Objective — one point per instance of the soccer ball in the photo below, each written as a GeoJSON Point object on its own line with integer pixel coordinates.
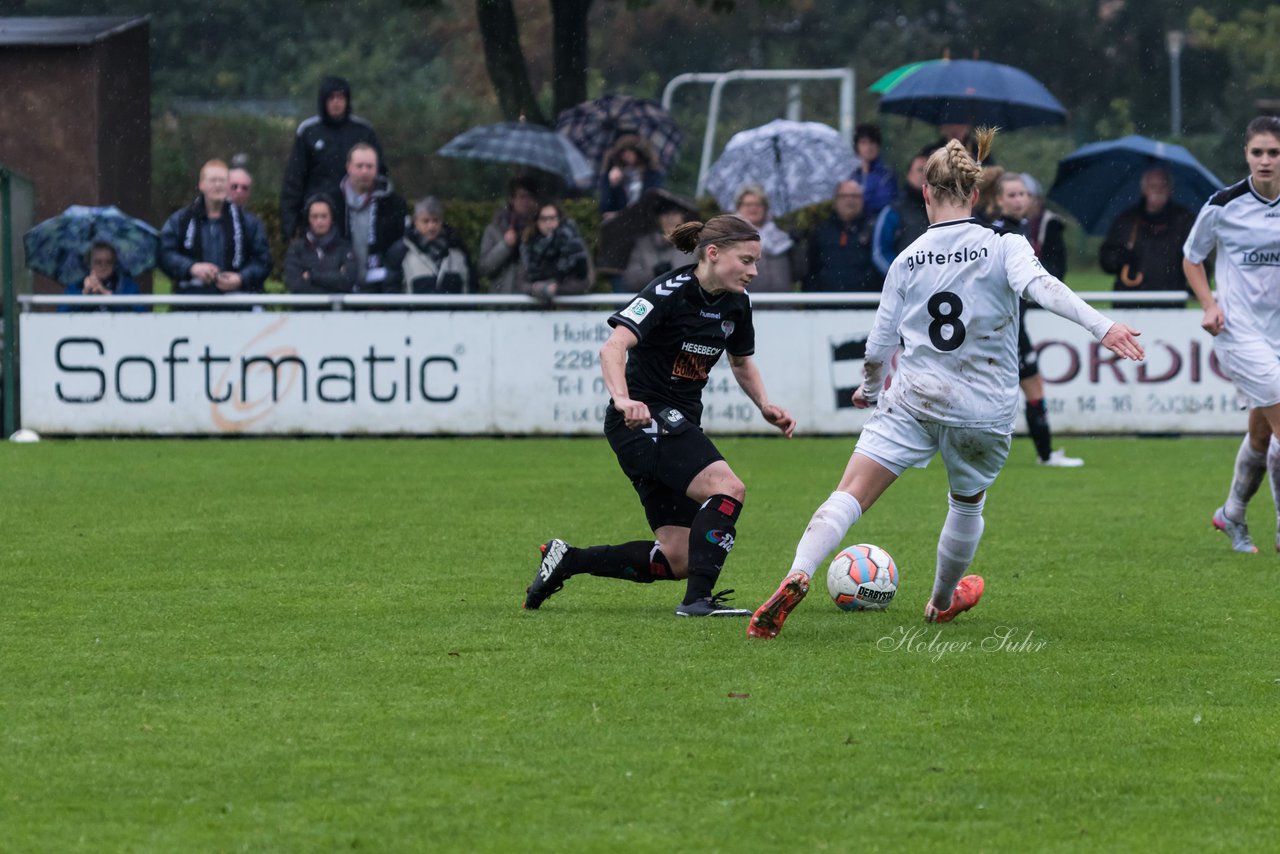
{"type": "Point", "coordinates": [862, 578]}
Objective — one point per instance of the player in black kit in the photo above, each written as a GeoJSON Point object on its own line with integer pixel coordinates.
{"type": "Point", "coordinates": [655, 365]}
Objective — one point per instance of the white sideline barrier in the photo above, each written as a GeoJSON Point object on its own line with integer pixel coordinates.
{"type": "Point", "coordinates": [518, 372]}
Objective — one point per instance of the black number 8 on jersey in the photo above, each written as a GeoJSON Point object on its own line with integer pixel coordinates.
{"type": "Point", "coordinates": [945, 308]}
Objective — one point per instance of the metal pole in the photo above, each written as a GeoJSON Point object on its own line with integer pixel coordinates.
{"type": "Point", "coordinates": [793, 102]}
{"type": "Point", "coordinates": [1174, 40]}
{"type": "Point", "coordinates": [10, 307]}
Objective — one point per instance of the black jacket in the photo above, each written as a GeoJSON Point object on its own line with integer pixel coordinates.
{"type": "Point", "coordinates": [1144, 251]}
{"type": "Point", "coordinates": [318, 160]}
{"type": "Point", "coordinates": [389, 219]}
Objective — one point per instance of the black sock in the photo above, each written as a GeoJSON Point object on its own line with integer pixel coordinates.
{"type": "Point", "coordinates": [641, 561]}
{"type": "Point", "coordinates": [710, 539]}
{"type": "Point", "coordinates": [1038, 425]}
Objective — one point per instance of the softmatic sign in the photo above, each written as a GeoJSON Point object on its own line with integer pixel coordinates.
{"type": "Point", "coordinates": [472, 372]}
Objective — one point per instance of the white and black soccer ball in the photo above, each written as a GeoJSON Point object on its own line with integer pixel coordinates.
{"type": "Point", "coordinates": [862, 578]}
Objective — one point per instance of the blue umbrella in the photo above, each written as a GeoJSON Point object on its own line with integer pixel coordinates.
{"type": "Point", "coordinates": [57, 246]}
{"type": "Point", "coordinates": [973, 92]}
{"type": "Point", "coordinates": [526, 144]}
{"type": "Point", "coordinates": [796, 163]}
{"type": "Point", "coordinates": [1097, 182]}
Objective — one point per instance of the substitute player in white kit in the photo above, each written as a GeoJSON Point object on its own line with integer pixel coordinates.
{"type": "Point", "coordinates": [1242, 223]}
{"type": "Point", "coordinates": [952, 298]}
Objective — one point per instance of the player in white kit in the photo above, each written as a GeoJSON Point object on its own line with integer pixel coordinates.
{"type": "Point", "coordinates": [1242, 224]}
{"type": "Point", "coordinates": [952, 298]}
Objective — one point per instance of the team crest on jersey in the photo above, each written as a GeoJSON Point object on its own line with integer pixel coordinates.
{"type": "Point", "coordinates": [727, 328]}
{"type": "Point", "coordinates": [638, 310]}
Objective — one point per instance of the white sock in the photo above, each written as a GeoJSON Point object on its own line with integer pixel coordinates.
{"type": "Point", "coordinates": [1250, 466]}
{"type": "Point", "coordinates": [827, 528]}
{"type": "Point", "coordinates": [957, 545]}
{"type": "Point", "coordinates": [1273, 469]}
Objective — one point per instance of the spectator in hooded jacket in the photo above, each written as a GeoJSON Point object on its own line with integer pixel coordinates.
{"type": "Point", "coordinates": [320, 146]}
{"type": "Point", "coordinates": [212, 246]}
{"type": "Point", "coordinates": [369, 215]}
{"type": "Point", "coordinates": [320, 262]}
{"type": "Point", "coordinates": [429, 259]}
{"type": "Point", "coordinates": [629, 168]}
{"type": "Point", "coordinates": [500, 243]}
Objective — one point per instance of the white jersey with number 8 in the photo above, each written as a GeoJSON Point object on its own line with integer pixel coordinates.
{"type": "Point", "coordinates": [952, 296]}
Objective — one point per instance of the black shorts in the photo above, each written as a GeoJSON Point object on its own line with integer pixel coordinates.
{"type": "Point", "coordinates": [1028, 360]}
{"type": "Point", "coordinates": [661, 464]}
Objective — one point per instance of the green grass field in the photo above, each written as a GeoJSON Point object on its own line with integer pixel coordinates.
{"type": "Point", "coordinates": [317, 645]}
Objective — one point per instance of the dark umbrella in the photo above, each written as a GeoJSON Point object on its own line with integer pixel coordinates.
{"type": "Point", "coordinates": [1097, 182]}
{"type": "Point", "coordinates": [796, 163]}
{"type": "Point", "coordinates": [618, 234]}
{"type": "Point", "coordinates": [523, 143]}
{"type": "Point", "coordinates": [57, 246]}
{"type": "Point", "coordinates": [594, 126]}
{"type": "Point", "coordinates": [894, 77]}
{"type": "Point", "coordinates": [973, 92]}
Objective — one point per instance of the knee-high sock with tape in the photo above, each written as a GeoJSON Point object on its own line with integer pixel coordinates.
{"type": "Point", "coordinates": [710, 540]}
{"type": "Point", "coordinates": [957, 544]}
{"type": "Point", "coordinates": [1250, 466]}
{"type": "Point", "coordinates": [641, 561]}
{"type": "Point", "coordinates": [827, 527]}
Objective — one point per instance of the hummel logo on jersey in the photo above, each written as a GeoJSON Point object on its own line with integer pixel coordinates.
{"type": "Point", "coordinates": [670, 285]}
{"type": "Point", "coordinates": [700, 349]}
{"type": "Point", "coordinates": [710, 315]}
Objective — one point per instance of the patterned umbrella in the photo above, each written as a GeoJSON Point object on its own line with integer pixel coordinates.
{"type": "Point", "coordinates": [57, 246]}
{"type": "Point", "coordinates": [974, 92]}
{"type": "Point", "coordinates": [520, 142]}
{"type": "Point", "coordinates": [594, 126]}
{"type": "Point", "coordinates": [797, 163]}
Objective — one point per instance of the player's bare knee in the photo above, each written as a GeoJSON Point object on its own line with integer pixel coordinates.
{"type": "Point", "coordinates": [734, 488]}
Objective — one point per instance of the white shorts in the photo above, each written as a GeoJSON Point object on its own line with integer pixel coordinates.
{"type": "Point", "coordinates": [973, 456]}
{"type": "Point", "coordinates": [1253, 366]}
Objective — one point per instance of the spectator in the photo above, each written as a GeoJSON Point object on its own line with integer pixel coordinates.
{"type": "Point", "coordinates": [1143, 249]}
{"type": "Point", "coordinates": [320, 147]}
{"type": "Point", "coordinates": [879, 186]}
{"type": "Point", "coordinates": [554, 256]}
{"type": "Point", "coordinates": [500, 243]}
{"type": "Point", "coordinates": [781, 262]}
{"type": "Point", "coordinates": [369, 215]}
{"type": "Point", "coordinates": [653, 255]}
{"type": "Point", "coordinates": [430, 258]}
{"type": "Point", "coordinates": [240, 187]}
{"type": "Point", "coordinates": [902, 222]}
{"type": "Point", "coordinates": [106, 278]}
{"type": "Point", "coordinates": [629, 168]}
{"type": "Point", "coordinates": [1013, 204]}
{"type": "Point", "coordinates": [840, 248]}
{"type": "Point", "coordinates": [321, 261]}
{"type": "Point", "coordinates": [212, 246]}
{"type": "Point", "coordinates": [1045, 230]}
